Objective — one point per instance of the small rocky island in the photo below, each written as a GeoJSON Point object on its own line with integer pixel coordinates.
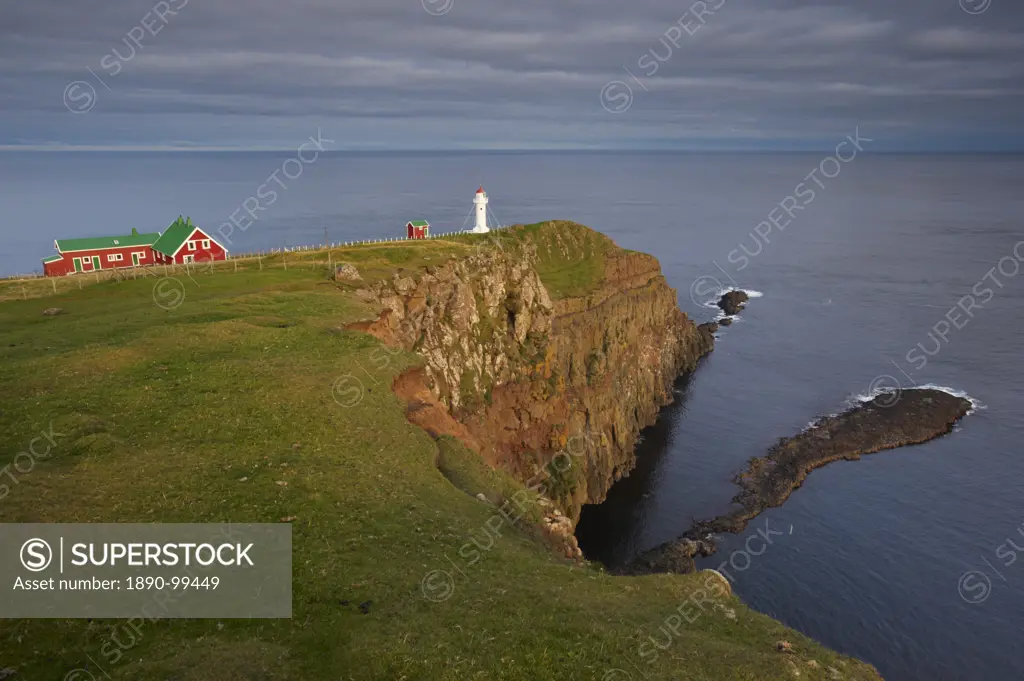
{"type": "Point", "coordinates": [890, 420]}
{"type": "Point", "coordinates": [732, 302]}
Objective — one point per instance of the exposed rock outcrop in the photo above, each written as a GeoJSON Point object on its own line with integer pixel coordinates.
{"type": "Point", "coordinates": [732, 302]}
{"type": "Point", "coordinates": [526, 375]}
{"type": "Point", "coordinates": [347, 272]}
{"type": "Point", "coordinates": [677, 556]}
{"type": "Point", "coordinates": [888, 421]}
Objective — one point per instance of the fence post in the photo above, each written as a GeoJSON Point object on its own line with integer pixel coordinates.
{"type": "Point", "coordinates": [54, 282]}
{"type": "Point", "coordinates": [260, 258]}
{"type": "Point", "coordinates": [284, 259]}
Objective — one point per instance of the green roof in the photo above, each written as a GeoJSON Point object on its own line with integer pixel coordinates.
{"type": "Point", "coordinates": [420, 223]}
{"type": "Point", "coordinates": [174, 236]}
{"type": "Point", "coordinates": [94, 243]}
{"type": "Point", "coordinates": [53, 258]}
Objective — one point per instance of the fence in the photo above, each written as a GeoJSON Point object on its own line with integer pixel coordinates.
{"type": "Point", "coordinates": [349, 244]}
{"type": "Point", "coordinates": [37, 285]}
{"type": "Point", "coordinates": [257, 254]}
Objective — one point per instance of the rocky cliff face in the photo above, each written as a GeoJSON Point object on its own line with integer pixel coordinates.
{"type": "Point", "coordinates": [522, 373]}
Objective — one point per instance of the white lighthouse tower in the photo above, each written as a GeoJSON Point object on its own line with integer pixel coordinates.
{"type": "Point", "coordinates": [480, 207]}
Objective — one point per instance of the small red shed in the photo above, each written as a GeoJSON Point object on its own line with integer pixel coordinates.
{"type": "Point", "coordinates": [418, 229]}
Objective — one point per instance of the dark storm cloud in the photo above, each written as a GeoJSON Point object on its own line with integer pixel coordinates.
{"type": "Point", "coordinates": [442, 73]}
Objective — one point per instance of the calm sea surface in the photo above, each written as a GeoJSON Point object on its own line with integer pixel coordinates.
{"type": "Point", "coordinates": [901, 558]}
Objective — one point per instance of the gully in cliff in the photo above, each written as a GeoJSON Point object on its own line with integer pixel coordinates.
{"type": "Point", "coordinates": [886, 421]}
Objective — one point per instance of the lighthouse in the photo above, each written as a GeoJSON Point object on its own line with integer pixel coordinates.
{"type": "Point", "coordinates": [480, 207]}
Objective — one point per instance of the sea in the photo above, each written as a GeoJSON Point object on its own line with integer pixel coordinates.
{"type": "Point", "coordinates": [868, 272]}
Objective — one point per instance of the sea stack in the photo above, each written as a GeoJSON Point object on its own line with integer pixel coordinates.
{"type": "Point", "coordinates": [732, 302]}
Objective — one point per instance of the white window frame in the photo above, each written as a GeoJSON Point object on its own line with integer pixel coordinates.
{"type": "Point", "coordinates": [206, 244]}
{"type": "Point", "coordinates": [191, 245]}
{"type": "Point", "coordinates": [138, 257]}
{"type": "Point", "coordinates": [189, 258]}
{"type": "Point", "coordinates": [114, 257]}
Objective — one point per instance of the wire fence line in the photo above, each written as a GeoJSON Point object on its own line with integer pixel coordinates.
{"type": "Point", "coordinates": [349, 244]}
{"type": "Point", "coordinates": [154, 270]}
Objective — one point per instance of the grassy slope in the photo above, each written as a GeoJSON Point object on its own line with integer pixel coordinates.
{"type": "Point", "coordinates": [165, 412]}
{"type": "Point", "coordinates": [570, 257]}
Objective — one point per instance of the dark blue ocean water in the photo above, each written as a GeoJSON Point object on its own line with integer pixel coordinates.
{"type": "Point", "coordinates": [872, 555]}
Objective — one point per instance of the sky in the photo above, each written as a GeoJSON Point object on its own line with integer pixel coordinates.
{"type": "Point", "coordinates": [916, 75]}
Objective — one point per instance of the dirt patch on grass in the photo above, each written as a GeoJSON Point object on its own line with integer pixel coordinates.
{"type": "Point", "coordinates": [424, 410]}
{"type": "Point", "coordinates": [380, 328]}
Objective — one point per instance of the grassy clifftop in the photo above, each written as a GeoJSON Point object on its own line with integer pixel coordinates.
{"type": "Point", "coordinates": [570, 256]}
{"type": "Point", "coordinates": [214, 396]}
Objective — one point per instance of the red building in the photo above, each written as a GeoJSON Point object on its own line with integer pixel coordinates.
{"type": "Point", "coordinates": [418, 229]}
{"type": "Point", "coordinates": [181, 243]}
{"type": "Point", "coordinates": [100, 253]}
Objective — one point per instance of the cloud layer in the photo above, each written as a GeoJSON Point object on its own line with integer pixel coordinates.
{"type": "Point", "coordinates": [534, 73]}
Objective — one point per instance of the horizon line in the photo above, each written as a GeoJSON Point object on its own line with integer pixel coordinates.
{"type": "Point", "coordinates": [503, 150]}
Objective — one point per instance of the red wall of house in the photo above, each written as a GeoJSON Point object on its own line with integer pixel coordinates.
{"type": "Point", "coordinates": [214, 252]}
{"type": "Point", "coordinates": [148, 256]}
{"type": "Point", "coordinates": [58, 268]}
{"type": "Point", "coordinates": [67, 265]}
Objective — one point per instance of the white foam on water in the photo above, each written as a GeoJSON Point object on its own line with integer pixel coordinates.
{"type": "Point", "coordinates": [975, 403]}
{"type": "Point", "coordinates": [751, 293]}
{"type": "Point", "coordinates": [713, 303]}
{"type": "Point", "coordinates": [885, 390]}
{"type": "Point", "coordinates": [861, 398]}
{"type": "Point", "coordinates": [857, 400]}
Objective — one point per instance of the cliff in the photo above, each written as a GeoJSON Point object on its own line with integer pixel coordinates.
{"type": "Point", "coordinates": [250, 402]}
{"type": "Point", "coordinates": [542, 333]}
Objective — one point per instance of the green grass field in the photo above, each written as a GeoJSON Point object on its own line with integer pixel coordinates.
{"type": "Point", "coordinates": [197, 413]}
